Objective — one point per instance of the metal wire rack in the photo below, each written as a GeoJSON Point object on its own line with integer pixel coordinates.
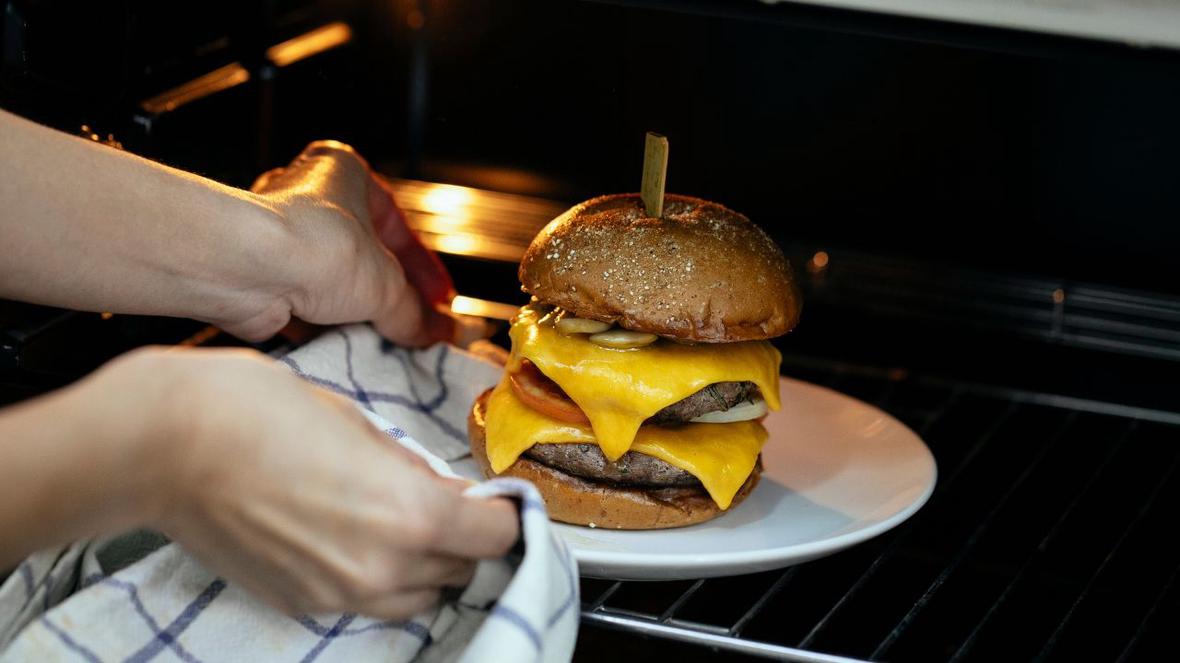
{"type": "Point", "coordinates": [1048, 538]}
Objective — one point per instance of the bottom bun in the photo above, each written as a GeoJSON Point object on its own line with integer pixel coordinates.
{"type": "Point", "coordinates": [574, 500]}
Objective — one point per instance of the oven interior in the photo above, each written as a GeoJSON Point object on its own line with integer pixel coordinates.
{"type": "Point", "coordinates": [983, 222]}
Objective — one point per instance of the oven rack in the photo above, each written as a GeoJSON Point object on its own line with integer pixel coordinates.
{"type": "Point", "coordinates": [1047, 538]}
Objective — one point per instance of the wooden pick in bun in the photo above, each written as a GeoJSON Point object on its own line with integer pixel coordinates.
{"type": "Point", "coordinates": [654, 330]}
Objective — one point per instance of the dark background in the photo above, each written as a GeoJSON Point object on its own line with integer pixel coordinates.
{"type": "Point", "coordinates": [1061, 166]}
{"type": "Point", "coordinates": [1058, 161]}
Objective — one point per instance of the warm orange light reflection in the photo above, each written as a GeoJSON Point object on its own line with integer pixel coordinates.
{"type": "Point", "coordinates": [200, 338]}
{"type": "Point", "coordinates": [473, 222]}
{"type": "Point", "coordinates": [445, 199]}
{"type": "Point", "coordinates": [308, 44]}
{"type": "Point", "coordinates": [461, 244]}
{"type": "Point", "coordinates": [819, 262]}
{"type": "Point", "coordinates": [483, 308]}
{"type": "Point", "coordinates": [198, 88]}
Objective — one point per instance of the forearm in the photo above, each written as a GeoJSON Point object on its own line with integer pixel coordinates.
{"type": "Point", "coordinates": [87, 227]}
{"type": "Point", "coordinates": [81, 461]}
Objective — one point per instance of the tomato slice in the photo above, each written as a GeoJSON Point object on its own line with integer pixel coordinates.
{"type": "Point", "coordinates": [540, 393]}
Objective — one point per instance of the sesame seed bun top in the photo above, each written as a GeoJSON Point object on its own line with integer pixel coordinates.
{"type": "Point", "coordinates": [701, 272]}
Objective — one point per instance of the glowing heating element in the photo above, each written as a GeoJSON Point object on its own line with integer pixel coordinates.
{"type": "Point", "coordinates": [308, 44]}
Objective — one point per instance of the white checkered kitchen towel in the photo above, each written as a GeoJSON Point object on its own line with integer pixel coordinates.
{"type": "Point", "coordinates": [105, 600]}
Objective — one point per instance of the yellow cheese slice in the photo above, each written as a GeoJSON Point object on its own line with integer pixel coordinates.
{"type": "Point", "coordinates": [720, 455]}
{"type": "Point", "coordinates": [619, 389]}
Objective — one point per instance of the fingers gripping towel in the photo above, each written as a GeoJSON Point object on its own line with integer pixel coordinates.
{"type": "Point", "coordinates": [104, 600]}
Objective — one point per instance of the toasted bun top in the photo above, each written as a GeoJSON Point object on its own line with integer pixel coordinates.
{"type": "Point", "coordinates": [702, 272]}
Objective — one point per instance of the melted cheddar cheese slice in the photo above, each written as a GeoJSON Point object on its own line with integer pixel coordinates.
{"type": "Point", "coordinates": [619, 389]}
{"type": "Point", "coordinates": [720, 455]}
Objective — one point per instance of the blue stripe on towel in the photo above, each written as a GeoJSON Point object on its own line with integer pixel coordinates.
{"type": "Point", "coordinates": [170, 634]}
{"type": "Point", "coordinates": [568, 567]}
{"type": "Point", "coordinates": [367, 398]}
{"type": "Point", "coordinates": [513, 617]}
{"type": "Point", "coordinates": [351, 393]}
{"type": "Point", "coordinates": [91, 580]}
{"type": "Point", "coordinates": [413, 628]}
{"type": "Point", "coordinates": [69, 642]}
{"type": "Point", "coordinates": [438, 375]}
{"type": "Point", "coordinates": [328, 637]}
{"type": "Point", "coordinates": [432, 404]}
{"type": "Point", "coordinates": [361, 396]}
{"type": "Point", "coordinates": [323, 382]}
{"type": "Point", "coordinates": [136, 603]}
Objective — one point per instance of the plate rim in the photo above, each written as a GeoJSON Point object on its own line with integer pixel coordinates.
{"type": "Point", "coordinates": [606, 559]}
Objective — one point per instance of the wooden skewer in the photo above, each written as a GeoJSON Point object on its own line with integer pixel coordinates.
{"type": "Point", "coordinates": [655, 172]}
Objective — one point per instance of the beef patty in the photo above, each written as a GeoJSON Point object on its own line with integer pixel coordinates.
{"type": "Point", "coordinates": [586, 460]}
{"type": "Point", "coordinates": [716, 397]}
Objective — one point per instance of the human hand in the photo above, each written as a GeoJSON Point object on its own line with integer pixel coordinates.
{"type": "Point", "coordinates": [320, 240]}
{"type": "Point", "coordinates": [290, 492]}
{"type": "Point", "coordinates": [353, 257]}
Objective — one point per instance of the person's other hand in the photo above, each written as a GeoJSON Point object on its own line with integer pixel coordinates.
{"type": "Point", "coordinates": [287, 490]}
{"type": "Point", "coordinates": [353, 257]}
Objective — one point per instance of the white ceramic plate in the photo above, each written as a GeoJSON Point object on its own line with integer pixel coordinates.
{"type": "Point", "coordinates": [836, 472]}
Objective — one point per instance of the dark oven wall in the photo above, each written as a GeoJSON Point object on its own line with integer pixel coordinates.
{"type": "Point", "coordinates": [1041, 163]}
{"type": "Point", "coordinates": [198, 85]}
{"type": "Point", "coordinates": [1060, 165]}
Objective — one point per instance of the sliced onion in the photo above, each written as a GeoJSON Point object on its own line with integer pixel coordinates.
{"type": "Point", "coordinates": [569, 326]}
{"type": "Point", "coordinates": [744, 411]}
{"type": "Point", "coordinates": [622, 339]}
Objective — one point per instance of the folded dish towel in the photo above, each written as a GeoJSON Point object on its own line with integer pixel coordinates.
{"type": "Point", "coordinates": [104, 600]}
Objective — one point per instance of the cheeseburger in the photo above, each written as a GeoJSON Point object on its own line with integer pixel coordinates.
{"type": "Point", "coordinates": [641, 370]}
